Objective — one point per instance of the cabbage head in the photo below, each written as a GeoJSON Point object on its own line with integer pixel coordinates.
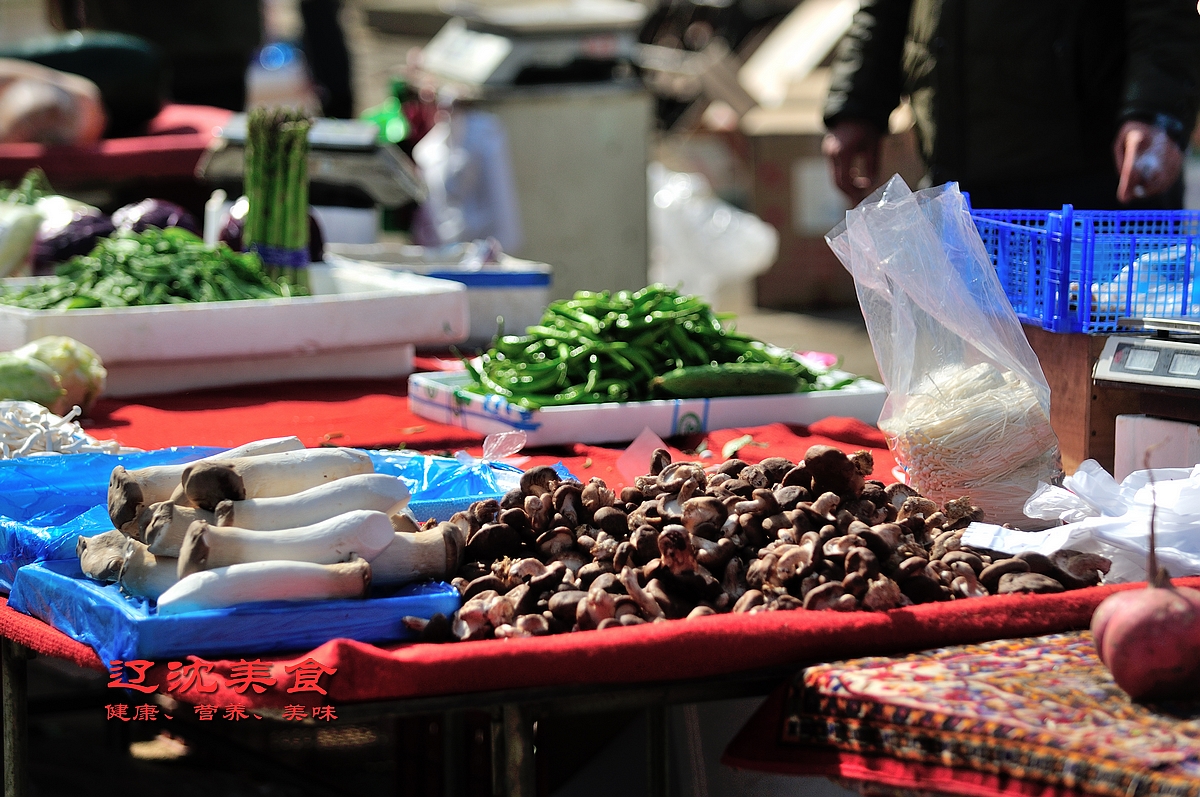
{"type": "Point", "coordinates": [79, 370]}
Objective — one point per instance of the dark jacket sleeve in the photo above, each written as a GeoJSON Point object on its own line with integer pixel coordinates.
{"type": "Point", "coordinates": [1162, 75]}
{"type": "Point", "coordinates": [867, 76]}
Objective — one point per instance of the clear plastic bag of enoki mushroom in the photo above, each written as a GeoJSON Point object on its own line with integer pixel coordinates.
{"type": "Point", "coordinates": [968, 408]}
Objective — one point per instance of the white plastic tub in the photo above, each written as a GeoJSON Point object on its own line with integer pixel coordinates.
{"type": "Point", "coordinates": [361, 321]}
{"type": "Point", "coordinates": [444, 397]}
{"type": "Point", "coordinates": [513, 289]}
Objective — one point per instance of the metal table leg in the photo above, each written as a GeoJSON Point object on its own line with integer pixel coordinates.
{"type": "Point", "coordinates": [13, 681]}
{"type": "Point", "coordinates": [658, 753]}
{"type": "Point", "coordinates": [520, 775]}
{"type": "Point", "coordinates": [453, 758]}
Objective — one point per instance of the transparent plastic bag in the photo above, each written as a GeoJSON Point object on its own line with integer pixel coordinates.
{"type": "Point", "coordinates": [466, 163]}
{"type": "Point", "coordinates": [698, 241]}
{"type": "Point", "coordinates": [968, 408]}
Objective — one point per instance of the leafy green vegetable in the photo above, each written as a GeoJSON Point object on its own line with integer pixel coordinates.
{"type": "Point", "coordinates": [79, 370]}
{"type": "Point", "coordinates": [25, 379]}
{"type": "Point", "coordinates": [608, 346]}
{"type": "Point", "coordinates": [169, 266]}
{"type": "Point", "coordinates": [33, 187]}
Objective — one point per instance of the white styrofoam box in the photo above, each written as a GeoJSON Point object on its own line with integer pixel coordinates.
{"type": "Point", "coordinates": [360, 321]}
{"type": "Point", "coordinates": [364, 362]}
{"type": "Point", "coordinates": [513, 289]}
{"type": "Point", "coordinates": [1171, 444]}
{"type": "Point", "coordinates": [444, 397]}
{"type": "Point", "coordinates": [347, 225]}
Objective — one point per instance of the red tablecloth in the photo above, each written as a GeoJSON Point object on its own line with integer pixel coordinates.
{"type": "Point", "coordinates": [375, 414]}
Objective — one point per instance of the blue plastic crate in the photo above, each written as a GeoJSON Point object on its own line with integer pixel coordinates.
{"type": "Point", "coordinates": [1082, 270]}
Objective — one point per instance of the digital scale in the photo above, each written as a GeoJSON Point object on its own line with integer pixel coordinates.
{"type": "Point", "coordinates": [1168, 362]}
{"type": "Point", "coordinates": [486, 48]}
{"type": "Point", "coordinates": [344, 160]}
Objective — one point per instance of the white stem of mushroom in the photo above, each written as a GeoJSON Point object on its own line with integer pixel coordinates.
{"type": "Point", "coordinates": [416, 557]}
{"type": "Point", "coordinates": [280, 474]}
{"type": "Point", "coordinates": [375, 491]}
{"type": "Point", "coordinates": [266, 581]}
{"type": "Point", "coordinates": [361, 532]}
{"type": "Point", "coordinates": [145, 574]}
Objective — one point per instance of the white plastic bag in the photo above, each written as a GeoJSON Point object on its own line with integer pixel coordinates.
{"type": "Point", "coordinates": [1121, 531]}
{"type": "Point", "coordinates": [472, 193]}
{"type": "Point", "coordinates": [968, 408]}
{"type": "Point", "coordinates": [698, 241]}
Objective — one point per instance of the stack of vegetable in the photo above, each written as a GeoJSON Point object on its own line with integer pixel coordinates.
{"type": "Point", "coordinates": [276, 181]}
{"type": "Point", "coordinates": [268, 521]}
{"type": "Point", "coordinates": [633, 346]}
{"type": "Point", "coordinates": [170, 266]}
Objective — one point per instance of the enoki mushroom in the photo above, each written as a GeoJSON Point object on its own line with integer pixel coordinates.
{"type": "Point", "coordinates": [976, 431]}
{"type": "Point", "coordinates": [27, 428]}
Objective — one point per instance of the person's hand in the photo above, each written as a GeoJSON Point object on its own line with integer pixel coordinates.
{"type": "Point", "coordinates": [1148, 161]}
{"type": "Point", "coordinates": [852, 149]}
{"type": "Point", "coordinates": [45, 106]}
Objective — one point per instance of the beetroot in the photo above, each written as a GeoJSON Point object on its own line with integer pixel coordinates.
{"type": "Point", "coordinates": [1150, 638]}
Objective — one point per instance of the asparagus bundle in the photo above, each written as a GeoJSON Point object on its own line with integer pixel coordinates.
{"type": "Point", "coordinates": [276, 181]}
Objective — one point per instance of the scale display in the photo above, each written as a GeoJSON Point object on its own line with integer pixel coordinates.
{"type": "Point", "coordinates": [1150, 361]}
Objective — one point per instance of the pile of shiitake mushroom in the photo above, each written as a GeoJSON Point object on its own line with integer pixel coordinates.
{"type": "Point", "coordinates": [685, 541]}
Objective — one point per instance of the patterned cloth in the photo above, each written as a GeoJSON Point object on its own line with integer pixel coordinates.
{"type": "Point", "coordinates": [1042, 709]}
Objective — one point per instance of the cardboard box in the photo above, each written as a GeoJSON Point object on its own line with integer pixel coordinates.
{"type": "Point", "coordinates": [1170, 444]}
{"type": "Point", "coordinates": [361, 321]}
{"type": "Point", "coordinates": [794, 192]}
{"type": "Point", "coordinates": [444, 398]}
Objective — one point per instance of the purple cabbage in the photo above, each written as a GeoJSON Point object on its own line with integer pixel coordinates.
{"type": "Point", "coordinates": [69, 228]}
{"type": "Point", "coordinates": [154, 213]}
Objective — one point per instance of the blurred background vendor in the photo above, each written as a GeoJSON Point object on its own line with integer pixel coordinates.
{"type": "Point", "coordinates": [1026, 104]}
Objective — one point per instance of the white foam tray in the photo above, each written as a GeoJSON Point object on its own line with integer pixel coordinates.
{"type": "Point", "coordinates": [361, 321]}
{"type": "Point", "coordinates": [444, 397]}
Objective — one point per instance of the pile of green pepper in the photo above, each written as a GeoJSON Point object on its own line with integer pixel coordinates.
{"type": "Point", "coordinates": [611, 346]}
{"type": "Point", "coordinates": [170, 266]}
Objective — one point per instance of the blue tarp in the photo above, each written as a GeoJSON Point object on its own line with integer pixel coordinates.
{"type": "Point", "coordinates": [47, 502]}
{"type": "Point", "coordinates": [120, 627]}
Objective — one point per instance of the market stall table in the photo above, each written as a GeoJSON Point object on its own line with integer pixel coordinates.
{"type": "Point", "coordinates": [649, 667]}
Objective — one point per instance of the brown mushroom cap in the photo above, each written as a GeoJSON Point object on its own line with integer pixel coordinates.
{"type": "Point", "coordinates": [193, 552]}
{"type": "Point", "coordinates": [125, 497]}
{"type": "Point", "coordinates": [1027, 582]}
{"type": "Point", "coordinates": [990, 576]}
{"type": "Point", "coordinates": [207, 484]}
{"type": "Point", "coordinates": [596, 495]}
{"type": "Point", "coordinates": [493, 541]}
{"type": "Point", "coordinates": [675, 550]}
{"type": "Point", "coordinates": [824, 596]}
{"type": "Point", "coordinates": [103, 555]}
{"type": "Point", "coordinates": [539, 480]}
{"type": "Point", "coordinates": [568, 500]}
{"type": "Point", "coordinates": [833, 471]}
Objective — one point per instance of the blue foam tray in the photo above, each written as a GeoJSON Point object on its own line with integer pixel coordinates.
{"type": "Point", "coordinates": [119, 627]}
{"type": "Point", "coordinates": [48, 502]}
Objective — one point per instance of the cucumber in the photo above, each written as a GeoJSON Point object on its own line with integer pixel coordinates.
{"type": "Point", "coordinates": [729, 379]}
